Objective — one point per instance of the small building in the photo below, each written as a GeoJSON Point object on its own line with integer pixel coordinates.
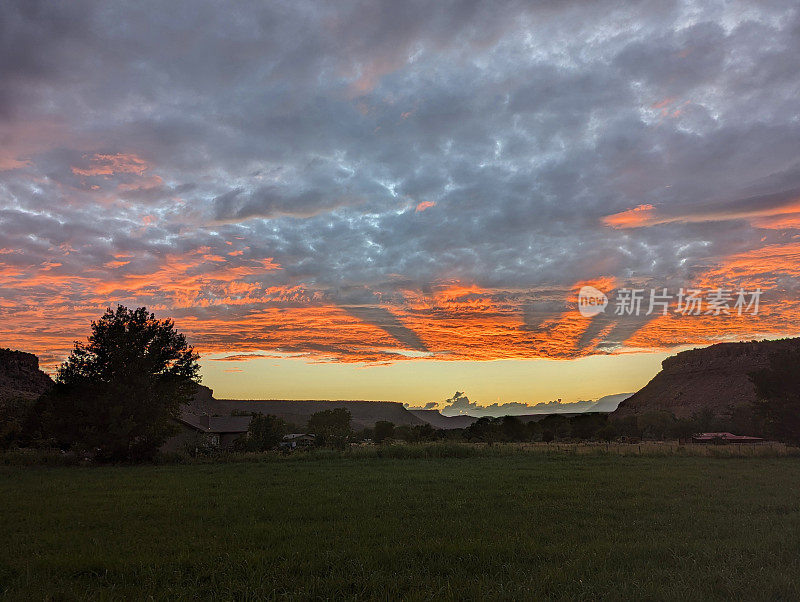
{"type": "Point", "coordinates": [218, 431]}
{"type": "Point", "coordinates": [724, 438]}
{"type": "Point", "coordinates": [295, 440]}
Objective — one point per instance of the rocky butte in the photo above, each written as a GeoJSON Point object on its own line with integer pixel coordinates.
{"type": "Point", "coordinates": [20, 376]}
{"type": "Point", "coordinates": [714, 378]}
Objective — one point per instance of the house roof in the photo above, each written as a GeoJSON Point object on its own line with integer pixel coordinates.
{"type": "Point", "coordinates": [724, 436]}
{"type": "Point", "coordinates": [291, 436]}
{"type": "Point", "coordinates": [216, 424]}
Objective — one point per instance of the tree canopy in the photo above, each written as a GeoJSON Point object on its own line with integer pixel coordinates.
{"type": "Point", "coordinates": [265, 432]}
{"type": "Point", "coordinates": [332, 427]}
{"type": "Point", "coordinates": [116, 394]}
{"type": "Point", "coordinates": [383, 430]}
{"type": "Point", "coordinates": [778, 390]}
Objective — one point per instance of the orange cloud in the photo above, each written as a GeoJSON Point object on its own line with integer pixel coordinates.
{"type": "Point", "coordinates": [224, 307]}
{"type": "Point", "coordinates": [781, 221]}
{"type": "Point", "coordinates": [116, 264]}
{"type": "Point", "coordinates": [425, 205]}
{"type": "Point", "coordinates": [106, 165]}
{"type": "Point", "coordinates": [662, 103]}
{"type": "Point", "coordinates": [785, 214]}
{"type": "Point", "coordinates": [640, 215]}
{"type": "Point", "coordinates": [768, 269]}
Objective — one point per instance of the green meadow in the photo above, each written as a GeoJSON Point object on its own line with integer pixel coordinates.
{"type": "Point", "coordinates": [491, 526]}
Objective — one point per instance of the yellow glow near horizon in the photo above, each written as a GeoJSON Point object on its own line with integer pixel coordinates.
{"type": "Point", "coordinates": [418, 382]}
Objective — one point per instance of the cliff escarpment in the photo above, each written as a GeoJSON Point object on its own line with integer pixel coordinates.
{"type": "Point", "coordinates": [714, 379]}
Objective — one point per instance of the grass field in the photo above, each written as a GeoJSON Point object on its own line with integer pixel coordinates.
{"type": "Point", "coordinates": [511, 526]}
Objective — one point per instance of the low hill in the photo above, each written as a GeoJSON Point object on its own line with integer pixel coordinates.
{"type": "Point", "coordinates": [437, 420]}
{"type": "Point", "coordinates": [20, 377]}
{"type": "Point", "coordinates": [713, 378]}
{"type": "Point", "coordinates": [365, 413]}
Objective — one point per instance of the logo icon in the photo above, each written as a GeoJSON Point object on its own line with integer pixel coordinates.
{"type": "Point", "coordinates": [591, 301]}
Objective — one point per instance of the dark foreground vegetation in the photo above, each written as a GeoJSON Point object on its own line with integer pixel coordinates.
{"type": "Point", "coordinates": [532, 526]}
{"type": "Point", "coordinates": [333, 430]}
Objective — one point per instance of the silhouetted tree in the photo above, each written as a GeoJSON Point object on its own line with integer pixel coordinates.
{"type": "Point", "coordinates": [705, 421]}
{"type": "Point", "coordinates": [534, 431]}
{"type": "Point", "coordinates": [627, 427]}
{"type": "Point", "coordinates": [555, 427]}
{"type": "Point", "coordinates": [586, 426]}
{"type": "Point", "coordinates": [415, 433]}
{"type": "Point", "coordinates": [746, 419]}
{"type": "Point", "coordinates": [383, 430]}
{"type": "Point", "coordinates": [264, 432]}
{"type": "Point", "coordinates": [331, 427]}
{"type": "Point", "coordinates": [683, 428]}
{"type": "Point", "coordinates": [778, 391]}
{"type": "Point", "coordinates": [13, 414]}
{"type": "Point", "coordinates": [427, 432]}
{"type": "Point", "coordinates": [116, 394]}
{"type": "Point", "coordinates": [655, 424]}
{"type": "Point", "coordinates": [483, 429]}
{"type": "Point", "coordinates": [513, 429]}
{"type": "Point", "coordinates": [608, 432]}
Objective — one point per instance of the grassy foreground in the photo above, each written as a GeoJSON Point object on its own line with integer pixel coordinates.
{"type": "Point", "coordinates": [512, 526]}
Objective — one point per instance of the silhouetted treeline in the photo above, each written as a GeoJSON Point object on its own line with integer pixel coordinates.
{"type": "Point", "coordinates": [115, 398]}
{"type": "Point", "coordinates": [655, 425]}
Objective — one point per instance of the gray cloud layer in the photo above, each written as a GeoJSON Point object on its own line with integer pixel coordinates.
{"type": "Point", "coordinates": [310, 132]}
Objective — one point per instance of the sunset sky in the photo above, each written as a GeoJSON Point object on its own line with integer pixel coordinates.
{"type": "Point", "coordinates": [395, 200]}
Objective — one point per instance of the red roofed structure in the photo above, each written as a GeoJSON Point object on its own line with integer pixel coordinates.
{"type": "Point", "coordinates": [724, 438]}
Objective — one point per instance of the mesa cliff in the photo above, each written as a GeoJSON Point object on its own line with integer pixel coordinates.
{"type": "Point", "coordinates": [714, 379]}
{"type": "Point", "coordinates": [364, 413]}
{"type": "Point", "coordinates": [20, 377]}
